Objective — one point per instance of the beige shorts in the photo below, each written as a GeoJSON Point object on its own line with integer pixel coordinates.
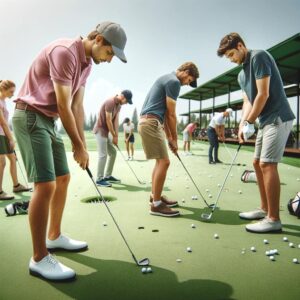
{"type": "Point", "coordinates": [271, 140]}
{"type": "Point", "coordinates": [153, 139]}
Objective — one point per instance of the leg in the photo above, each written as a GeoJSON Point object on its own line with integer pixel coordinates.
{"type": "Point", "coordinates": [57, 205]}
{"type": "Point", "coordinates": [13, 168]}
{"type": "Point", "coordinates": [132, 149]}
{"type": "Point", "coordinates": [210, 135]}
{"type": "Point", "coordinates": [189, 146]}
{"type": "Point", "coordinates": [261, 185]}
{"type": "Point", "coordinates": [102, 155]}
{"type": "Point", "coordinates": [112, 153]}
{"type": "Point", "coordinates": [216, 148]}
{"type": "Point", "coordinates": [127, 149]}
{"type": "Point", "coordinates": [159, 176]}
{"type": "Point", "coordinates": [2, 166]}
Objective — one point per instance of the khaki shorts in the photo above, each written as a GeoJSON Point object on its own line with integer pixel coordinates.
{"type": "Point", "coordinates": [153, 139]}
{"type": "Point", "coordinates": [271, 140]}
{"type": "Point", "coordinates": [186, 136]}
{"type": "Point", "coordinates": [4, 145]}
{"type": "Point", "coordinates": [41, 146]}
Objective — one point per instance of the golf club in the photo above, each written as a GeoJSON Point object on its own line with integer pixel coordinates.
{"type": "Point", "coordinates": [140, 182]}
{"type": "Point", "coordinates": [228, 150]}
{"type": "Point", "coordinates": [142, 262]}
{"type": "Point", "coordinates": [208, 216]}
{"type": "Point", "coordinates": [25, 181]}
{"type": "Point", "coordinates": [192, 180]}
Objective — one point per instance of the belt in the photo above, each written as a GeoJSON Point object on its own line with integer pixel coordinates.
{"type": "Point", "coordinates": [25, 106]}
{"type": "Point", "coordinates": [150, 116]}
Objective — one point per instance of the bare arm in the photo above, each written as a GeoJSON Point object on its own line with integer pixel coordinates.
{"type": "Point", "coordinates": [220, 130]}
{"type": "Point", "coordinates": [6, 130]}
{"type": "Point", "coordinates": [78, 112]}
{"type": "Point", "coordinates": [63, 96]}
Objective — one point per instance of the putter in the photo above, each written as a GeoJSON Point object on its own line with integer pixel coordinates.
{"type": "Point", "coordinates": [208, 216]}
{"type": "Point", "coordinates": [25, 181]}
{"type": "Point", "coordinates": [140, 182]}
{"type": "Point", "coordinates": [192, 180]}
{"type": "Point", "coordinates": [142, 262]}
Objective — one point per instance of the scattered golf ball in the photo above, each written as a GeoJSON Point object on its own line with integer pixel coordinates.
{"type": "Point", "coordinates": [298, 179]}
{"type": "Point", "coordinates": [275, 251]}
{"type": "Point", "coordinates": [193, 226]}
{"type": "Point", "coordinates": [231, 175]}
{"type": "Point", "coordinates": [104, 224]}
{"type": "Point", "coordinates": [243, 252]}
{"type": "Point", "coordinates": [178, 260]}
{"type": "Point", "coordinates": [253, 249]}
{"type": "Point", "coordinates": [291, 245]}
{"type": "Point", "coordinates": [210, 196]}
{"type": "Point", "coordinates": [272, 257]}
{"type": "Point", "coordinates": [285, 239]}
{"type": "Point", "coordinates": [272, 252]}
{"type": "Point", "coordinates": [144, 270]}
{"type": "Point", "coordinates": [207, 190]}
{"type": "Point", "coordinates": [239, 191]}
{"type": "Point", "coordinates": [149, 270]}
{"type": "Point", "coordinates": [195, 197]}
{"type": "Point", "coordinates": [295, 261]}
{"type": "Point", "coordinates": [219, 184]}
{"type": "Point", "coordinates": [266, 241]}
{"type": "Point", "coordinates": [267, 253]}
{"type": "Point", "coordinates": [189, 249]}
{"type": "Point", "coordinates": [216, 236]}
{"type": "Point", "coordinates": [299, 246]}
{"type": "Point", "coordinates": [183, 200]}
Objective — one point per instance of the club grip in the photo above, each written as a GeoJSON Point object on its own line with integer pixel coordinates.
{"type": "Point", "coordinates": [89, 172]}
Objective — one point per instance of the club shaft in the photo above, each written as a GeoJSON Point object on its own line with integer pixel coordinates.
{"type": "Point", "coordinates": [192, 179]}
{"type": "Point", "coordinates": [221, 189]}
{"type": "Point", "coordinates": [25, 181]}
{"type": "Point", "coordinates": [119, 229]}
{"type": "Point", "coordinates": [228, 150]}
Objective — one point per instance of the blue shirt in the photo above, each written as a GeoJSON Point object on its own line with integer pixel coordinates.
{"type": "Point", "coordinates": [155, 103]}
{"type": "Point", "coordinates": [260, 64]}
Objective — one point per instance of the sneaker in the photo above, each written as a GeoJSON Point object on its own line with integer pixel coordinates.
{"type": "Point", "coordinates": [21, 188]}
{"type": "Point", "coordinates": [65, 243]}
{"type": "Point", "coordinates": [5, 196]}
{"type": "Point", "coordinates": [218, 161]}
{"type": "Point", "coordinates": [51, 269]}
{"type": "Point", "coordinates": [211, 162]}
{"type": "Point", "coordinates": [189, 153]}
{"type": "Point", "coordinates": [112, 179]}
{"type": "Point", "coordinates": [163, 210]}
{"type": "Point", "coordinates": [103, 183]}
{"type": "Point", "coordinates": [253, 215]}
{"type": "Point", "coordinates": [265, 225]}
{"type": "Point", "coordinates": [128, 158]}
{"type": "Point", "coordinates": [165, 200]}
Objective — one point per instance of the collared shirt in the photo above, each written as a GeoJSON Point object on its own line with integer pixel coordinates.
{"type": "Point", "coordinates": [257, 65]}
{"type": "Point", "coordinates": [111, 106]}
{"type": "Point", "coordinates": [190, 128]}
{"type": "Point", "coordinates": [63, 62]}
{"type": "Point", "coordinates": [5, 113]}
{"type": "Point", "coordinates": [217, 120]}
{"type": "Point", "coordinates": [155, 103]}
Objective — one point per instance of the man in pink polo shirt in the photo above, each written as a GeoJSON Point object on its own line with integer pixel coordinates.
{"type": "Point", "coordinates": [54, 87]}
{"type": "Point", "coordinates": [187, 137]}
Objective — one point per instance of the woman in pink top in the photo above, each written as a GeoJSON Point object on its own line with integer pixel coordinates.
{"type": "Point", "coordinates": [187, 137]}
{"type": "Point", "coordinates": [7, 143]}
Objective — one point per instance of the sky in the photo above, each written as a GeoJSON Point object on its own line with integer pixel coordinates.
{"type": "Point", "coordinates": [161, 35]}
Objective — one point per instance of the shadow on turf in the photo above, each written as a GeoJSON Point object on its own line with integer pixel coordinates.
{"type": "Point", "coordinates": [292, 227]}
{"type": "Point", "coordinates": [112, 279]}
{"type": "Point", "coordinates": [133, 188]}
{"type": "Point", "coordinates": [226, 217]}
{"type": "Point", "coordinates": [18, 198]}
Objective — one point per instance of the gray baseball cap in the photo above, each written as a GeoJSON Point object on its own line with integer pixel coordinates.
{"type": "Point", "coordinates": [115, 35]}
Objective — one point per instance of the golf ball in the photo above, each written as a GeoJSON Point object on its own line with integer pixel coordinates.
{"type": "Point", "coordinates": [295, 260]}
{"type": "Point", "coordinates": [299, 246]}
{"type": "Point", "coordinates": [272, 252]}
{"type": "Point", "coordinates": [275, 251]}
{"type": "Point", "coordinates": [210, 196]}
{"type": "Point", "coordinates": [272, 257]}
{"type": "Point", "coordinates": [216, 236]}
{"type": "Point", "coordinates": [219, 184]}
{"type": "Point", "coordinates": [149, 270]}
{"type": "Point", "coordinates": [266, 241]}
{"type": "Point", "coordinates": [253, 249]}
{"type": "Point", "coordinates": [243, 252]}
{"type": "Point", "coordinates": [144, 270]}
{"type": "Point", "coordinates": [267, 253]}
{"type": "Point", "coordinates": [189, 249]}
{"type": "Point", "coordinates": [195, 197]}
{"type": "Point", "coordinates": [178, 260]}
{"type": "Point", "coordinates": [207, 190]}
{"type": "Point", "coordinates": [298, 179]}
{"type": "Point", "coordinates": [291, 245]}
{"type": "Point", "coordinates": [183, 200]}
{"type": "Point", "coordinates": [231, 175]}
{"type": "Point", "coordinates": [239, 191]}
{"type": "Point", "coordinates": [285, 239]}
{"type": "Point", "coordinates": [193, 226]}
{"type": "Point", "coordinates": [104, 224]}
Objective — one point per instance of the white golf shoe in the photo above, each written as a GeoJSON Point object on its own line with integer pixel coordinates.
{"type": "Point", "coordinates": [265, 225]}
{"type": "Point", "coordinates": [66, 243]}
{"type": "Point", "coordinates": [253, 214]}
{"type": "Point", "coordinates": [51, 269]}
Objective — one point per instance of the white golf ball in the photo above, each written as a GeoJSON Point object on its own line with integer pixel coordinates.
{"type": "Point", "coordinates": [219, 184]}
{"type": "Point", "coordinates": [239, 191]}
{"type": "Point", "coordinates": [183, 200]}
{"type": "Point", "coordinates": [210, 196]}
{"type": "Point", "coordinates": [291, 245]}
{"type": "Point", "coordinates": [144, 270]}
{"type": "Point", "coordinates": [231, 175]}
{"type": "Point", "coordinates": [216, 236]}
{"type": "Point", "coordinates": [178, 260]}
{"type": "Point", "coordinates": [149, 270]}
{"type": "Point", "coordinates": [295, 260]}
{"type": "Point", "coordinates": [272, 257]}
{"type": "Point", "coordinates": [266, 241]}
{"type": "Point", "coordinates": [193, 226]}
{"type": "Point", "coordinates": [275, 251]}
{"type": "Point", "coordinates": [267, 253]}
{"type": "Point", "coordinates": [195, 197]}
{"type": "Point", "coordinates": [104, 224]}
{"type": "Point", "coordinates": [253, 249]}
{"type": "Point", "coordinates": [299, 246]}
{"type": "Point", "coordinates": [207, 190]}
{"type": "Point", "coordinates": [272, 252]}
{"type": "Point", "coordinates": [243, 252]}
{"type": "Point", "coordinates": [189, 249]}
{"type": "Point", "coordinates": [285, 239]}
{"type": "Point", "coordinates": [298, 179]}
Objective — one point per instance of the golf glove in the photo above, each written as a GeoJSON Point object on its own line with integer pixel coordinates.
{"type": "Point", "coordinates": [248, 130]}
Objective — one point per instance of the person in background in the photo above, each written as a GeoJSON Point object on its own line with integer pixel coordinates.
{"type": "Point", "coordinates": [128, 128]}
{"type": "Point", "coordinates": [216, 132]}
{"type": "Point", "coordinates": [188, 136]}
{"type": "Point", "coordinates": [7, 143]}
{"type": "Point", "coordinates": [106, 130]}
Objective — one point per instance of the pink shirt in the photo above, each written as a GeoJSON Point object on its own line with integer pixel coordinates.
{"type": "Point", "coordinates": [5, 114]}
{"type": "Point", "coordinates": [65, 63]}
{"type": "Point", "coordinates": [110, 106]}
{"type": "Point", "coordinates": [190, 128]}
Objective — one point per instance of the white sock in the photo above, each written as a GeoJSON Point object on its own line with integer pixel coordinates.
{"type": "Point", "coordinates": [156, 203]}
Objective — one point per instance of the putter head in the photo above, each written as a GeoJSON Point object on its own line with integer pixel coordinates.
{"type": "Point", "coordinates": [213, 205]}
{"type": "Point", "coordinates": [206, 216]}
{"type": "Point", "coordinates": [142, 182]}
{"type": "Point", "coordinates": [144, 262]}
